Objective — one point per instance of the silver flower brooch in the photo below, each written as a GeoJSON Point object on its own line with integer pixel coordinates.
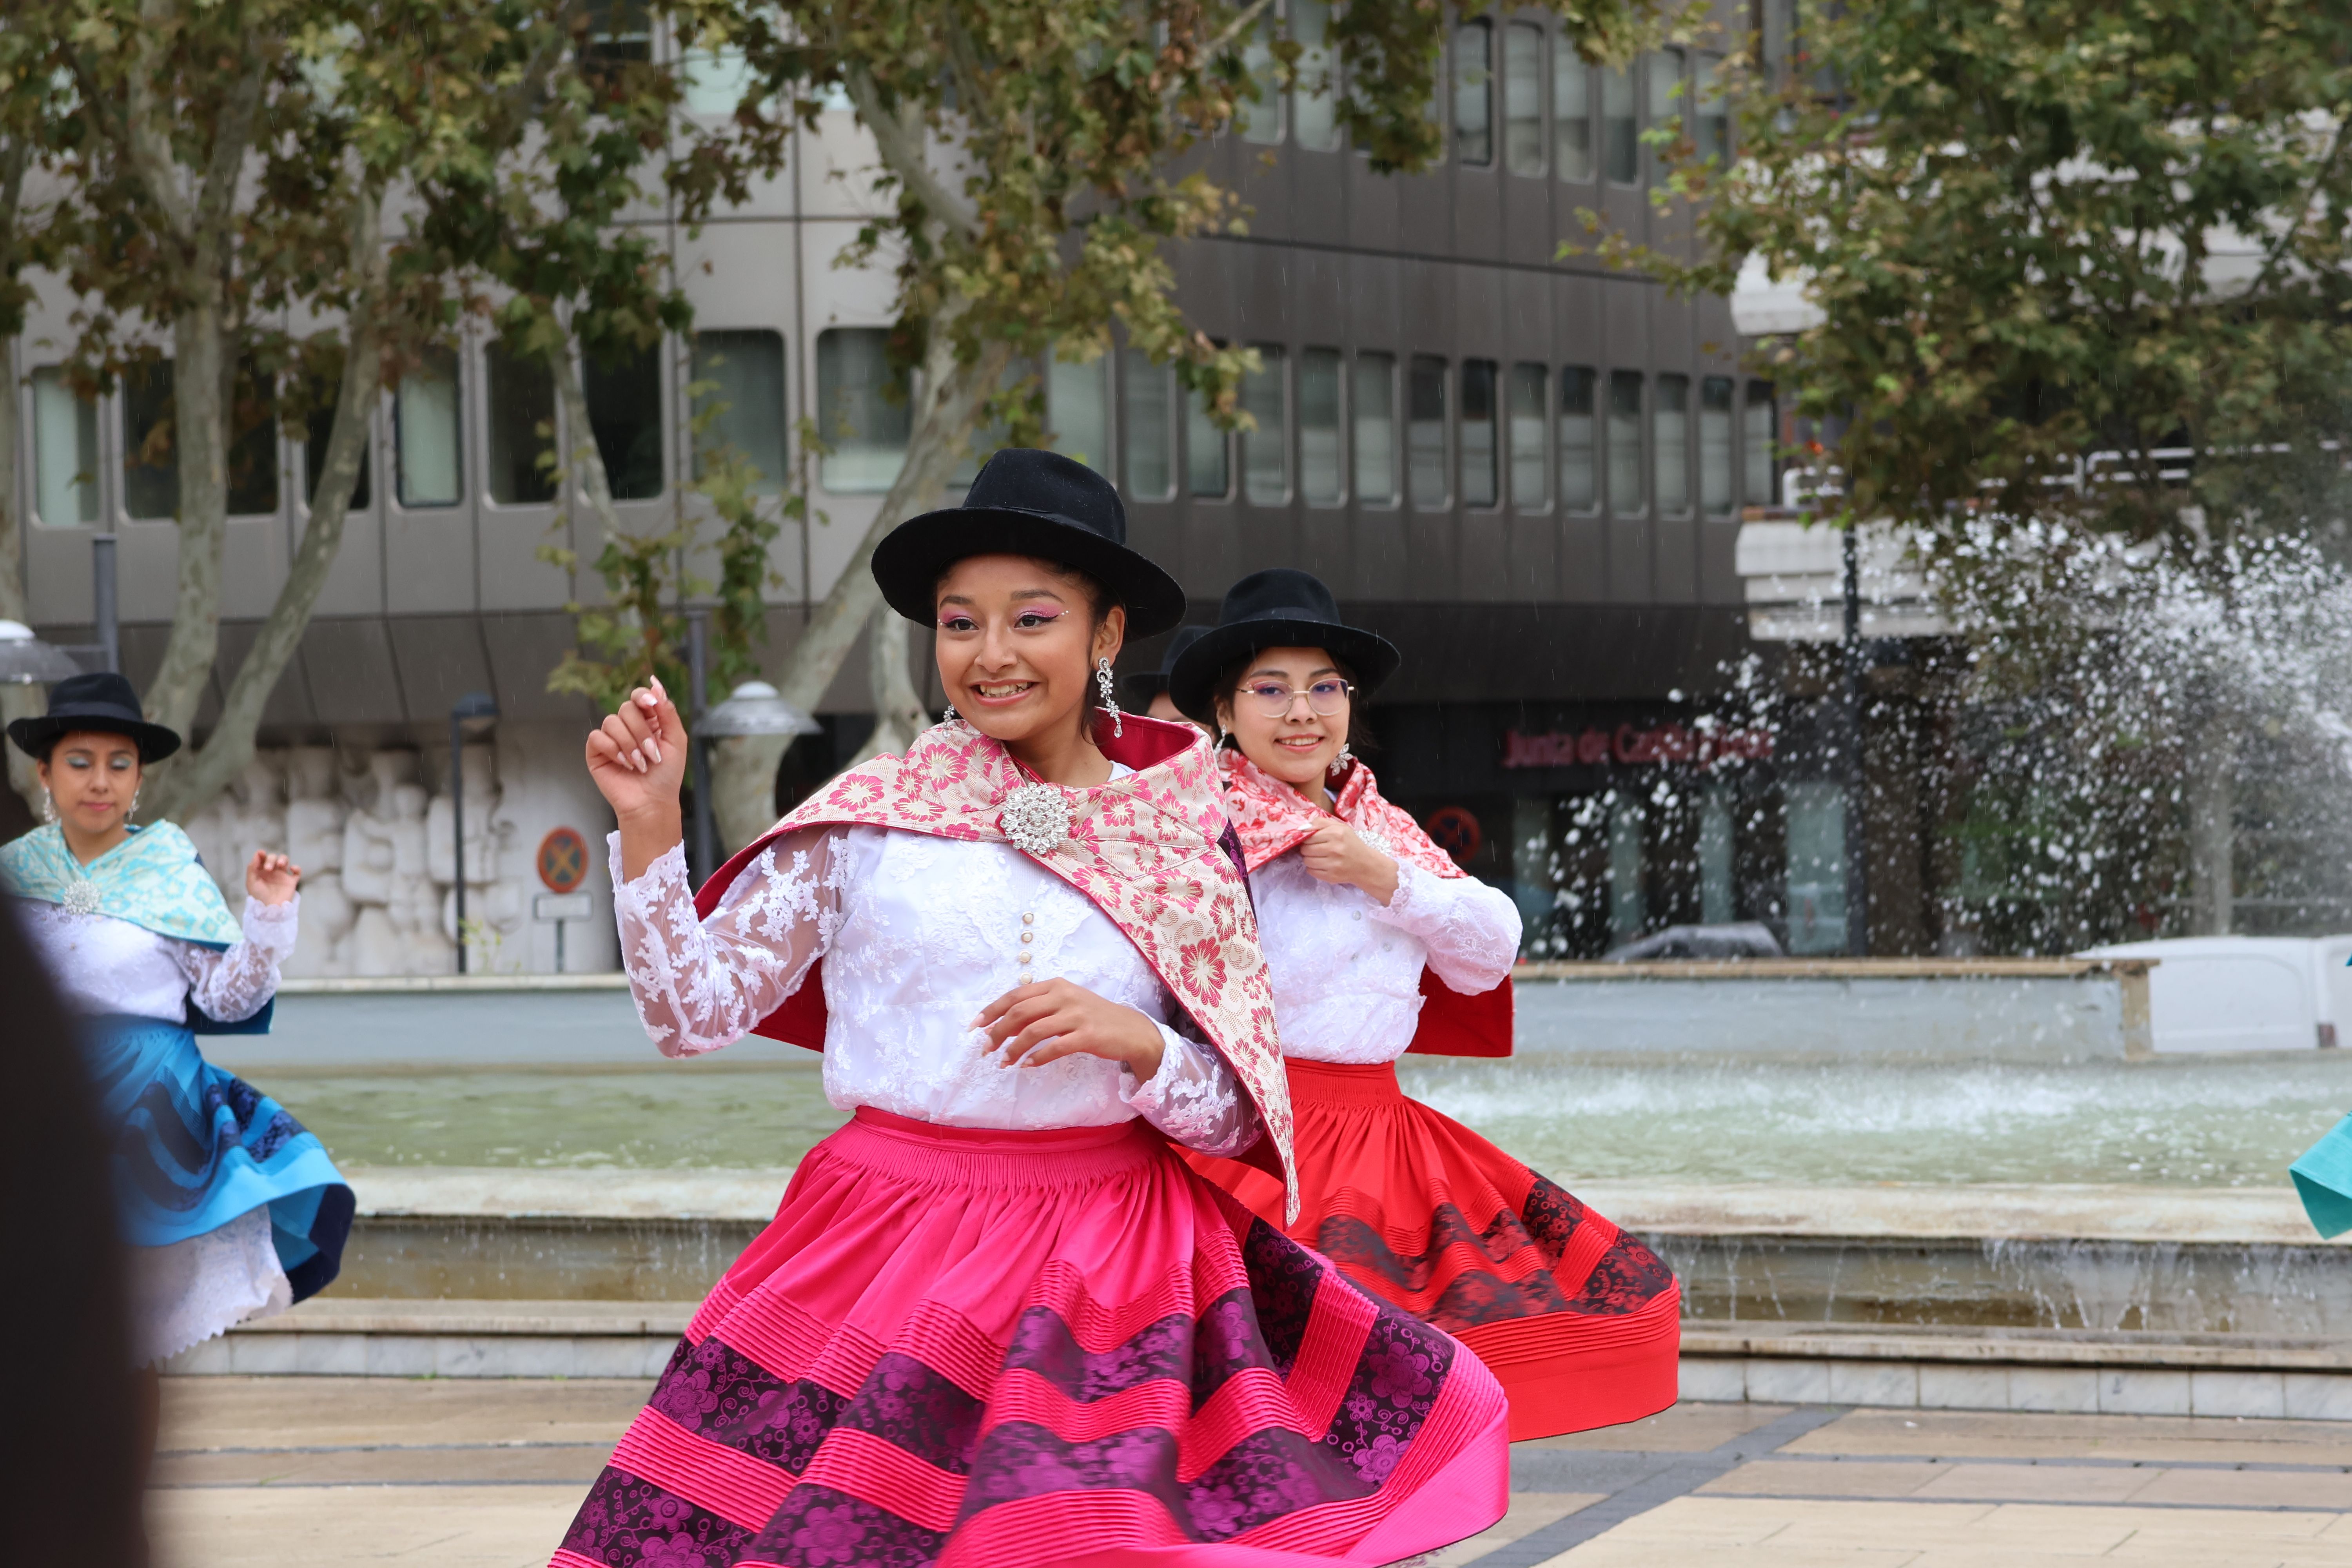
{"type": "Point", "coordinates": [1036, 818]}
{"type": "Point", "coordinates": [82, 897]}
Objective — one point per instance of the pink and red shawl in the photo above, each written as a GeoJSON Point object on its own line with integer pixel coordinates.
{"type": "Point", "coordinates": [1273, 819]}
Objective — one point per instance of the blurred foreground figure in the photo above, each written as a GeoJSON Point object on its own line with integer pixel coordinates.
{"type": "Point", "coordinates": [71, 1446]}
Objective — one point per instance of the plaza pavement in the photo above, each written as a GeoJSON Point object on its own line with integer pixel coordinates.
{"type": "Point", "coordinates": [478, 1473]}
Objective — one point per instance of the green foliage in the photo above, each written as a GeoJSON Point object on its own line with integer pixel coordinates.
{"type": "Point", "coordinates": [2037, 233]}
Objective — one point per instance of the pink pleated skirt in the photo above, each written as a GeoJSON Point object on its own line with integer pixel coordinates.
{"type": "Point", "coordinates": [997, 1349]}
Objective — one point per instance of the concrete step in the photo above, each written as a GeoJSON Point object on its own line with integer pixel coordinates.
{"type": "Point", "coordinates": [2071, 1372]}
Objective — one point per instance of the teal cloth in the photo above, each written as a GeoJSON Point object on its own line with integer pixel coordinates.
{"type": "Point", "coordinates": [2322, 1179]}
{"type": "Point", "coordinates": [153, 879]}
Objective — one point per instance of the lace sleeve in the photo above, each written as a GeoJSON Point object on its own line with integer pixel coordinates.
{"type": "Point", "coordinates": [702, 983]}
{"type": "Point", "coordinates": [230, 985]}
{"type": "Point", "coordinates": [1472, 930]}
{"type": "Point", "coordinates": [1193, 1098]}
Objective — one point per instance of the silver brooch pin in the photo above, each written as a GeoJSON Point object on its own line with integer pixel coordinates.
{"type": "Point", "coordinates": [1036, 818]}
{"type": "Point", "coordinates": [81, 897]}
{"type": "Point", "coordinates": [1372, 836]}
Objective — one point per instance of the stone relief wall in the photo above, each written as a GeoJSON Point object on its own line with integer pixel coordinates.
{"type": "Point", "coordinates": [370, 827]}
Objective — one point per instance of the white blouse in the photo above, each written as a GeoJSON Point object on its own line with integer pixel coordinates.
{"type": "Point", "coordinates": [1346, 969]}
{"type": "Point", "coordinates": [103, 966]}
{"type": "Point", "coordinates": [918, 934]}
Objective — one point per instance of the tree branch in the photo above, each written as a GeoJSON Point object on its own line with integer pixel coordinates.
{"type": "Point", "coordinates": [1235, 28]}
{"type": "Point", "coordinates": [900, 140]}
{"type": "Point", "coordinates": [2294, 226]}
{"type": "Point", "coordinates": [147, 143]}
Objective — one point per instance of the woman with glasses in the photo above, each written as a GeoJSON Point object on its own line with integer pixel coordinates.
{"type": "Point", "coordinates": [1379, 944]}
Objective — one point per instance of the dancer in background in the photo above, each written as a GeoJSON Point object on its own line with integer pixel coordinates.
{"type": "Point", "coordinates": [996, 1319]}
{"type": "Point", "coordinates": [233, 1211]}
{"type": "Point", "coordinates": [1379, 944]}
{"type": "Point", "coordinates": [1145, 691]}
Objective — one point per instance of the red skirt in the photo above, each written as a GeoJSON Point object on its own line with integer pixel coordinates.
{"type": "Point", "coordinates": [976, 1347]}
{"type": "Point", "coordinates": [1580, 1322]}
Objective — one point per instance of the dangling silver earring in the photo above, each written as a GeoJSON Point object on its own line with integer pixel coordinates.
{"type": "Point", "coordinates": [48, 806]}
{"type": "Point", "coordinates": [1340, 761]}
{"type": "Point", "coordinates": [1109, 697]}
{"type": "Point", "coordinates": [134, 807]}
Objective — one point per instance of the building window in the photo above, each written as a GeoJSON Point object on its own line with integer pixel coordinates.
{"type": "Point", "coordinates": [1664, 75]}
{"type": "Point", "coordinates": [1625, 497]}
{"type": "Point", "coordinates": [1265, 451]}
{"type": "Point", "coordinates": [717, 82]}
{"type": "Point", "coordinates": [624, 413]}
{"type": "Point", "coordinates": [522, 428]}
{"type": "Point", "coordinates": [738, 397]}
{"type": "Point", "coordinates": [1208, 454]}
{"type": "Point", "coordinates": [1628, 911]}
{"type": "Point", "coordinates": [1148, 455]}
{"type": "Point", "coordinates": [1314, 100]}
{"type": "Point", "coordinates": [1375, 421]}
{"type": "Point", "coordinates": [1621, 128]}
{"type": "Point", "coordinates": [1523, 138]}
{"type": "Point", "coordinates": [1322, 479]}
{"type": "Point", "coordinates": [1714, 111]}
{"type": "Point", "coordinates": [1476, 444]}
{"type": "Point", "coordinates": [1671, 444]}
{"type": "Point", "coordinates": [1528, 437]}
{"type": "Point", "coordinates": [326, 385]}
{"type": "Point", "coordinates": [65, 452]}
{"type": "Point", "coordinates": [1425, 432]}
{"type": "Point", "coordinates": [1474, 93]}
{"type": "Point", "coordinates": [1756, 444]}
{"type": "Point", "coordinates": [1580, 459]}
{"type": "Point", "coordinates": [1571, 114]}
{"type": "Point", "coordinates": [1816, 868]}
{"type": "Point", "coordinates": [427, 430]}
{"type": "Point", "coordinates": [864, 413]}
{"type": "Point", "coordinates": [1077, 410]}
{"type": "Point", "coordinates": [1715, 445]}
{"type": "Point", "coordinates": [253, 445]}
{"type": "Point", "coordinates": [1260, 119]}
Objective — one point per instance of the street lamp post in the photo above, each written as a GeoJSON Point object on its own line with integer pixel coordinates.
{"type": "Point", "coordinates": [475, 713]}
{"type": "Point", "coordinates": [1857, 842]}
{"type": "Point", "coordinates": [697, 668]}
{"type": "Point", "coordinates": [754, 708]}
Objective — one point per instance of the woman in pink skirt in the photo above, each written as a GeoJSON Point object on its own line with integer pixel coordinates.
{"type": "Point", "coordinates": [996, 1319]}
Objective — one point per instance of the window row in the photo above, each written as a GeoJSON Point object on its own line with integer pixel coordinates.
{"type": "Point", "coordinates": [1516, 81]}
{"type": "Point", "coordinates": [1379, 430]}
{"type": "Point", "coordinates": [736, 390]}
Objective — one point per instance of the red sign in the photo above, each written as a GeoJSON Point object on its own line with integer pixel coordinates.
{"type": "Point", "coordinates": [1701, 745]}
{"type": "Point", "coordinates": [563, 860]}
{"type": "Point", "coordinates": [1456, 830]}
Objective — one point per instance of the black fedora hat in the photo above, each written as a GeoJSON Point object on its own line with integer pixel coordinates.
{"type": "Point", "coordinates": [104, 702]}
{"type": "Point", "coordinates": [1136, 691]}
{"type": "Point", "coordinates": [1027, 502]}
{"type": "Point", "coordinates": [1279, 607]}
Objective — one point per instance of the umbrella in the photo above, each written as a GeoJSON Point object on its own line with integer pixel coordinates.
{"type": "Point", "coordinates": [25, 659]}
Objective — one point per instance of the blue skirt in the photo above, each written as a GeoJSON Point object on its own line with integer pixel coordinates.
{"type": "Point", "coordinates": [197, 1146]}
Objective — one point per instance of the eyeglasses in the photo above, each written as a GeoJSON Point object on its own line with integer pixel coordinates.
{"type": "Point", "coordinates": [1325, 698]}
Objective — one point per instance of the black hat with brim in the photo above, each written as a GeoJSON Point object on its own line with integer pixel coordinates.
{"type": "Point", "coordinates": [1279, 607]}
{"type": "Point", "coordinates": [1039, 504]}
{"type": "Point", "coordinates": [104, 703]}
{"type": "Point", "coordinates": [1136, 691]}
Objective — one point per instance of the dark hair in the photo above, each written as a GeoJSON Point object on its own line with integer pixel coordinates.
{"type": "Point", "coordinates": [1228, 684]}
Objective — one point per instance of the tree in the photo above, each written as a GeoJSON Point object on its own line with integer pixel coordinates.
{"type": "Point", "coordinates": [2082, 270]}
{"type": "Point", "coordinates": [235, 173]}
{"type": "Point", "coordinates": [1038, 151]}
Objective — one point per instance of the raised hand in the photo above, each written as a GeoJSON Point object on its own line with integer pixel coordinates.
{"type": "Point", "coordinates": [1337, 853]}
{"type": "Point", "coordinates": [637, 759]}
{"type": "Point", "coordinates": [1046, 1020]}
{"type": "Point", "coordinates": [271, 879]}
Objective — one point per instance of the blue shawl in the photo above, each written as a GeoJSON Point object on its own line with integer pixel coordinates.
{"type": "Point", "coordinates": [153, 879]}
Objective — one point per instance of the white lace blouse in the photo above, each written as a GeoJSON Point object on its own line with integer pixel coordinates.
{"type": "Point", "coordinates": [1346, 969]}
{"type": "Point", "coordinates": [103, 966]}
{"type": "Point", "coordinates": [918, 934]}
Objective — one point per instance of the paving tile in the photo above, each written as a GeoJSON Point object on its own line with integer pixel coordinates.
{"type": "Point", "coordinates": [1847, 1479]}
{"type": "Point", "coordinates": [2143, 1392]}
{"type": "Point", "coordinates": [1874, 1383]}
{"type": "Point", "coordinates": [2250, 1488]}
{"type": "Point", "coordinates": [446, 1527]}
{"type": "Point", "coordinates": [2011, 1435]}
{"type": "Point", "coordinates": [265, 1354]}
{"type": "Point", "coordinates": [2235, 1394]}
{"type": "Point", "coordinates": [329, 1355]}
{"type": "Point", "coordinates": [381, 1411]}
{"type": "Point", "coordinates": [1713, 1378]}
{"type": "Point", "coordinates": [1685, 1428]}
{"type": "Point", "coordinates": [1790, 1381]}
{"type": "Point", "coordinates": [577, 1464]}
{"type": "Point", "coordinates": [603, 1355]}
{"type": "Point", "coordinates": [2039, 1483]}
{"type": "Point", "coordinates": [2318, 1396]}
{"type": "Point", "coordinates": [1529, 1511]}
